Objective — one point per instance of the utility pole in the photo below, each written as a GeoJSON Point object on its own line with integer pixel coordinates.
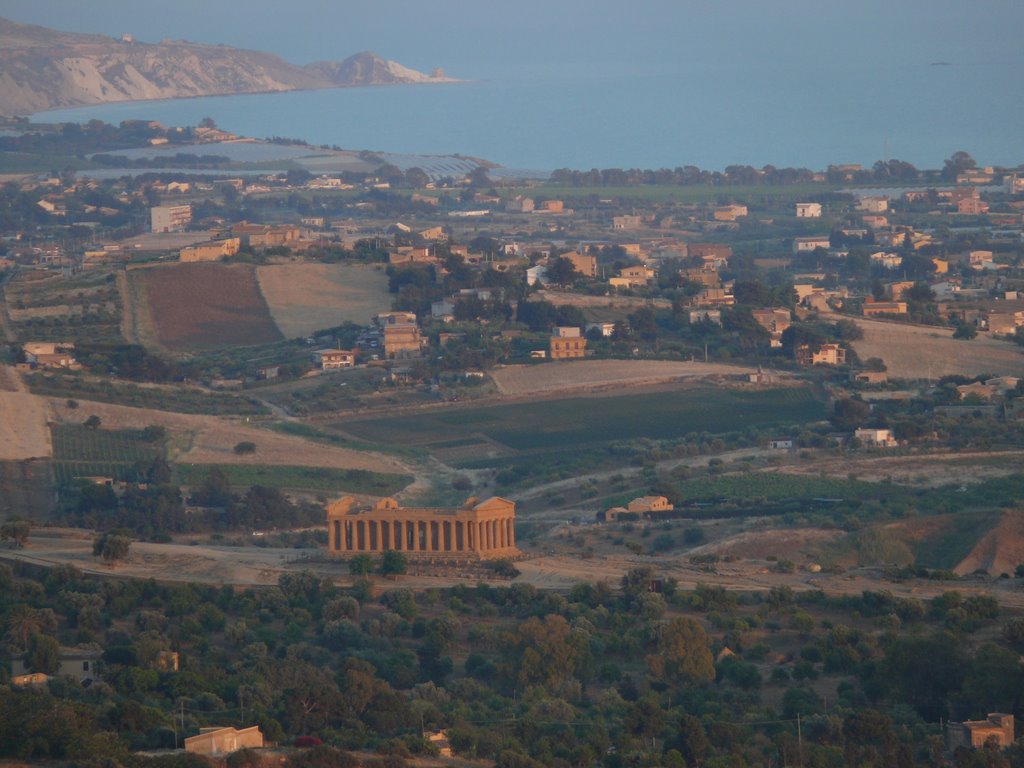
{"type": "Point", "coordinates": [799, 742]}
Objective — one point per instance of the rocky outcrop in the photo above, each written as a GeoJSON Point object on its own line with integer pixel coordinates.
{"type": "Point", "coordinates": [44, 69]}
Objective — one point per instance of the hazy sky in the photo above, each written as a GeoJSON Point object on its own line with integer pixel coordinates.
{"type": "Point", "coordinates": [531, 38]}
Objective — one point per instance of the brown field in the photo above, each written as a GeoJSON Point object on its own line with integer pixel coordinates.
{"type": "Point", "coordinates": [520, 380]}
{"type": "Point", "coordinates": [24, 433]}
{"type": "Point", "coordinates": [304, 298]}
{"type": "Point", "coordinates": [920, 352]}
{"type": "Point", "coordinates": [197, 306]}
{"type": "Point", "coordinates": [211, 440]}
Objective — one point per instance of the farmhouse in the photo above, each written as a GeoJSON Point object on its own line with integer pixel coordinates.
{"type": "Point", "coordinates": [49, 354]}
{"type": "Point", "coordinates": [876, 438]}
{"type": "Point", "coordinates": [645, 505]}
{"type": "Point", "coordinates": [872, 307]}
{"type": "Point", "coordinates": [821, 354]}
{"type": "Point", "coordinates": [479, 530]}
{"type": "Point", "coordinates": [976, 733]}
{"type": "Point", "coordinates": [79, 663]}
{"type": "Point", "coordinates": [333, 359]}
{"type": "Point", "coordinates": [808, 210]}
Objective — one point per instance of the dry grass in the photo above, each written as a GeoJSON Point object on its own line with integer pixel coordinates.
{"type": "Point", "coordinates": [548, 378]}
{"type": "Point", "coordinates": [211, 440]}
{"type": "Point", "coordinates": [304, 298]}
{"type": "Point", "coordinates": [24, 433]}
{"type": "Point", "coordinates": [918, 352]}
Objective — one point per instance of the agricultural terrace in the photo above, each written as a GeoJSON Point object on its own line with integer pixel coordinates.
{"type": "Point", "coordinates": [46, 306]}
{"type": "Point", "coordinates": [203, 306]}
{"type": "Point", "coordinates": [304, 298]}
{"type": "Point", "coordinates": [486, 435]}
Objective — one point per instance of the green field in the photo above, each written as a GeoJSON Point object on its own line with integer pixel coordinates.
{"type": "Point", "coordinates": [82, 452]}
{"type": "Point", "coordinates": [577, 423]}
{"type": "Point", "coordinates": [297, 478]}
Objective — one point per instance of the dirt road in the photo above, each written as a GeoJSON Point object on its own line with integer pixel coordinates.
{"type": "Point", "coordinates": [255, 566]}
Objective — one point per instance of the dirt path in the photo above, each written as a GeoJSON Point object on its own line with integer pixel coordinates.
{"type": "Point", "coordinates": [255, 566]}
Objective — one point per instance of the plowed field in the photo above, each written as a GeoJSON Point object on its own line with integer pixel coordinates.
{"type": "Point", "coordinates": [200, 306]}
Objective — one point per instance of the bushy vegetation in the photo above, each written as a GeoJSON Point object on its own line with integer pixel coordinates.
{"type": "Point", "coordinates": [606, 674]}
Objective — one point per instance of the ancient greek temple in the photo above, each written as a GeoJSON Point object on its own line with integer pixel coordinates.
{"type": "Point", "coordinates": [479, 530]}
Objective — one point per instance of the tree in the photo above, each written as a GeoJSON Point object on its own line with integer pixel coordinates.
{"type": "Point", "coordinates": [965, 331]}
{"type": "Point", "coordinates": [112, 547]}
{"type": "Point", "coordinates": [561, 271]}
{"type": "Point", "coordinates": [246, 446]}
{"type": "Point", "coordinates": [360, 565]}
{"type": "Point", "coordinates": [957, 164]}
{"type": "Point", "coordinates": [43, 654]}
{"type": "Point", "coordinates": [850, 413]}
{"type": "Point", "coordinates": [93, 422]}
{"type": "Point", "coordinates": [682, 653]}
{"type": "Point", "coordinates": [16, 530]}
{"type": "Point", "coordinates": [393, 563]}
{"type": "Point", "coordinates": [23, 622]}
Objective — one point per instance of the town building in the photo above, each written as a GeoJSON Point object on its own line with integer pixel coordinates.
{"type": "Point", "coordinates": [567, 343]}
{"type": "Point", "coordinates": [808, 244]}
{"type": "Point", "coordinates": [729, 212]}
{"type": "Point", "coordinates": [808, 210]}
{"type": "Point", "coordinates": [584, 263]}
{"type": "Point", "coordinates": [628, 222]}
{"type": "Point", "coordinates": [402, 337]}
{"type": "Point", "coordinates": [873, 204]}
{"type": "Point", "coordinates": [479, 530]}
{"type": "Point", "coordinates": [775, 320]}
{"type": "Point", "coordinates": [212, 250]}
{"type": "Point", "coordinates": [170, 218]}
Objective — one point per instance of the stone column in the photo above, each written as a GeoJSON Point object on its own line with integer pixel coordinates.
{"type": "Point", "coordinates": [511, 522]}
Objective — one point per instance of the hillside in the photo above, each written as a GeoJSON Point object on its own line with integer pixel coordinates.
{"type": "Point", "coordinates": [44, 69]}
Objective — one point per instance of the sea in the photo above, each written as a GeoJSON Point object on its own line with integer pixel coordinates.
{"type": "Point", "coordinates": [712, 118]}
